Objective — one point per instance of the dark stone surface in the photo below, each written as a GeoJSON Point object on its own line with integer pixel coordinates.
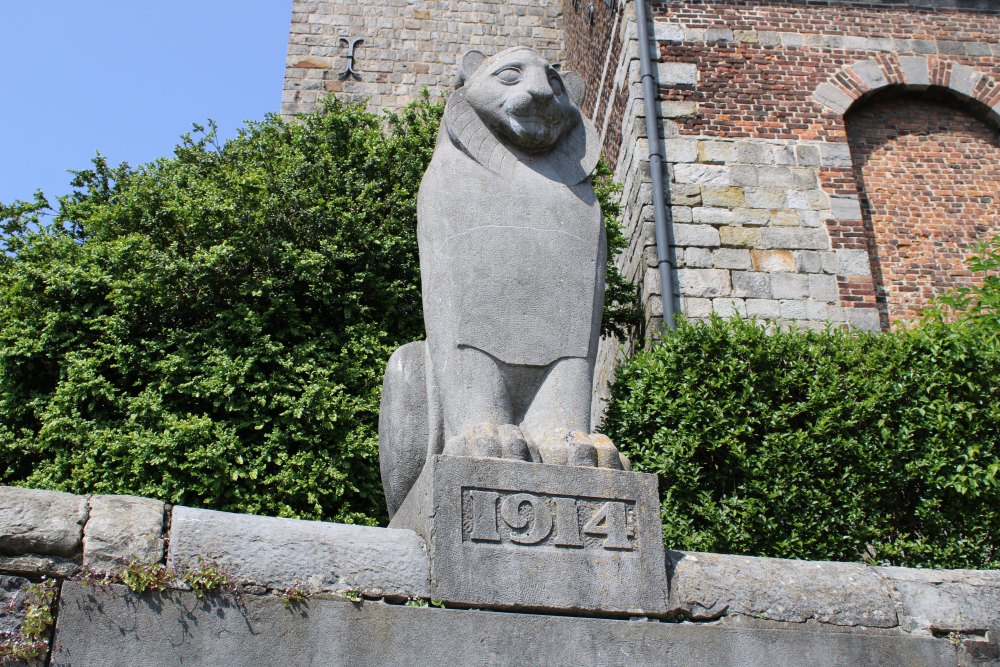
{"type": "Point", "coordinates": [112, 627]}
{"type": "Point", "coordinates": [506, 534]}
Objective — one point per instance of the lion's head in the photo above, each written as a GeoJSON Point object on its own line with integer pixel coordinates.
{"type": "Point", "coordinates": [521, 97]}
{"type": "Point", "coordinates": [515, 108]}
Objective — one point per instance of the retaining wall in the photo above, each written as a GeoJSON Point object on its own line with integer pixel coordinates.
{"type": "Point", "coordinates": [725, 610]}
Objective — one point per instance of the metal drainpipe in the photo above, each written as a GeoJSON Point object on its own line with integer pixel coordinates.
{"type": "Point", "coordinates": [661, 214]}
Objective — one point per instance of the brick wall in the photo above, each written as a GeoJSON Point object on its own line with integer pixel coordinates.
{"type": "Point", "coordinates": [408, 45]}
{"type": "Point", "coordinates": [929, 174]}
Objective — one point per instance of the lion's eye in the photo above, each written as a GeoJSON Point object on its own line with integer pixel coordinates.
{"type": "Point", "coordinates": [509, 75]}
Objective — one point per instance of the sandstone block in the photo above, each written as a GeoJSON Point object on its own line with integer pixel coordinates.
{"type": "Point", "coordinates": [727, 307]}
{"type": "Point", "coordinates": [713, 215]}
{"type": "Point", "coordinates": [870, 74]}
{"type": "Point", "coordinates": [696, 235]}
{"type": "Point", "coordinates": [853, 263]}
{"type": "Point", "coordinates": [278, 553]}
{"type": "Point", "coordinates": [731, 258]}
{"type": "Point", "coordinates": [833, 98]}
{"type": "Point", "coordinates": [772, 260]}
{"type": "Point", "coordinates": [706, 174]}
{"type": "Point", "coordinates": [681, 150]}
{"type": "Point", "coordinates": [739, 237]}
{"type": "Point", "coordinates": [807, 261]}
{"type": "Point", "coordinates": [766, 197]}
{"type": "Point", "coordinates": [703, 282]}
{"type": "Point", "coordinates": [724, 196]}
{"type": "Point", "coordinates": [865, 319]}
{"type": "Point", "coordinates": [696, 258]}
{"type": "Point", "coordinates": [41, 522]}
{"type": "Point", "coordinates": [846, 208]}
{"type": "Point", "coordinates": [755, 152]}
{"type": "Point", "coordinates": [765, 309]}
{"type": "Point", "coordinates": [944, 601]}
{"type": "Point", "coordinates": [794, 238]}
{"type": "Point", "coordinates": [823, 287]}
{"type": "Point", "coordinates": [708, 586]}
{"type": "Point", "coordinates": [752, 285]}
{"type": "Point", "coordinates": [789, 286]}
{"type": "Point", "coordinates": [696, 307]}
{"type": "Point", "coordinates": [122, 529]}
{"type": "Point", "coordinates": [716, 151]}
{"type": "Point", "coordinates": [677, 74]}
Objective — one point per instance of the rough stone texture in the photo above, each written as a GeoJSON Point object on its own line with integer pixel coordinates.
{"type": "Point", "coordinates": [407, 45]}
{"type": "Point", "coordinates": [505, 534]}
{"type": "Point", "coordinates": [710, 586]}
{"type": "Point", "coordinates": [942, 601]}
{"type": "Point", "coordinates": [113, 627]}
{"type": "Point", "coordinates": [280, 553]}
{"type": "Point", "coordinates": [44, 523]}
{"type": "Point", "coordinates": [122, 529]}
{"type": "Point", "coordinates": [11, 612]}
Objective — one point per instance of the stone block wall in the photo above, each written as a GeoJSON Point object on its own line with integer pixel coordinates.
{"type": "Point", "coordinates": [351, 583]}
{"type": "Point", "coordinates": [408, 45]}
{"type": "Point", "coordinates": [829, 162]}
{"type": "Point", "coordinates": [777, 214]}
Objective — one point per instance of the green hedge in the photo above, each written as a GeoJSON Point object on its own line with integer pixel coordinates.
{"type": "Point", "coordinates": [831, 445]}
{"type": "Point", "coordinates": [211, 329]}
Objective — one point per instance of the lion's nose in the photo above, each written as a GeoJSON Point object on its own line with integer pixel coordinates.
{"type": "Point", "coordinates": [538, 87]}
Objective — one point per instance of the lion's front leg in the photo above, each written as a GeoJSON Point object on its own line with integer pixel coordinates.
{"type": "Point", "coordinates": [558, 419]}
{"type": "Point", "coordinates": [477, 407]}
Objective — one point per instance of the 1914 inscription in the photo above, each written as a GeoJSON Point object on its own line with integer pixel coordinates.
{"type": "Point", "coordinates": [528, 519]}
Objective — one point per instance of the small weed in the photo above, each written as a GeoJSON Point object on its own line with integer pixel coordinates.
{"type": "Point", "coordinates": [954, 639]}
{"type": "Point", "coordinates": [353, 595]}
{"type": "Point", "coordinates": [294, 596]}
{"type": "Point", "coordinates": [27, 645]}
{"type": "Point", "coordinates": [206, 577]}
{"type": "Point", "coordinates": [420, 602]}
{"type": "Point", "coordinates": [142, 577]}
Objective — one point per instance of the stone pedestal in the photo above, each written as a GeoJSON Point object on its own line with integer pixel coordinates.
{"type": "Point", "coordinates": [511, 535]}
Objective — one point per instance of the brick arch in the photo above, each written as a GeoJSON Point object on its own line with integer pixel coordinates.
{"type": "Point", "coordinates": [865, 78]}
{"type": "Point", "coordinates": [867, 223]}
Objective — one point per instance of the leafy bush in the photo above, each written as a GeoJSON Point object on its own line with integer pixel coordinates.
{"type": "Point", "coordinates": [831, 445]}
{"type": "Point", "coordinates": [976, 305]}
{"type": "Point", "coordinates": [211, 329]}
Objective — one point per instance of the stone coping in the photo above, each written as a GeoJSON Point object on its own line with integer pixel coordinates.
{"type": "Point", "coordinates": [58, 534]}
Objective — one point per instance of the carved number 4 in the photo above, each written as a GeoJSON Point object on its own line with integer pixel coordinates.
{"type": "Point", "coordinates": [610, 523]}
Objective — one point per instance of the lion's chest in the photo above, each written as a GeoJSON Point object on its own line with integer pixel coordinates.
{"type": "Point", "coordinates": [509, 265]}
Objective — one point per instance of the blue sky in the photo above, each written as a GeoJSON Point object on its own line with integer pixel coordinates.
{"type": "Point", "coordinates": [127, 78]}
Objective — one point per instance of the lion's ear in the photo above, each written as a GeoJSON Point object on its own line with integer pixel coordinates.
{"type": "Point", "coordinates": [575, 86]}
{"type": "Point", "coordinates": [470, 63]}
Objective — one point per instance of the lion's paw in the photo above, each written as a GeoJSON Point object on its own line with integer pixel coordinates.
{"type": "Point", "coordinates": [488, 441]}
{"type": "Point", "coordinates": [561, 446]}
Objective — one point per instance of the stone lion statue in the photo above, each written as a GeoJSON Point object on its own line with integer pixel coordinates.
{"type": "Point", "coordinates": [512, 256]}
